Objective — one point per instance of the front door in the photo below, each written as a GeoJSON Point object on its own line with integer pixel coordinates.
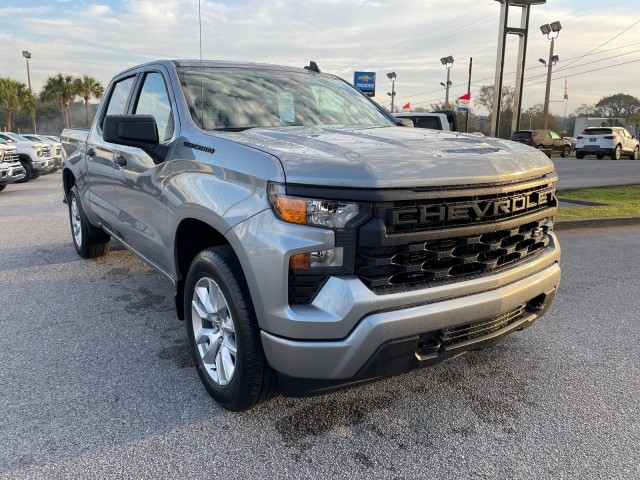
{"type": "Point", "coordinates": [142, 205]}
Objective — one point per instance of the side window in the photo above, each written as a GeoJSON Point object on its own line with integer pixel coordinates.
{"type": "Point", "coordinates": [119, 96]}
{"type": "Point", "coordinates": [154, 100]}
{"type": "Point", "coordinates": [555, 136]}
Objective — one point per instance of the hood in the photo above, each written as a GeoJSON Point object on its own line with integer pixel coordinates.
{"type": "Point", "coordinates": [394, 157]}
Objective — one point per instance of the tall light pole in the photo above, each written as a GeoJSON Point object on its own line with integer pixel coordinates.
{"type": "Point", "coordinates": [27, 56]}
{"type": "Point", "coordinates": [392, 76]}
{"type": "Point", "coordinates": [447, 62]}
{"type": "Point", "coordinates": [552, 31]}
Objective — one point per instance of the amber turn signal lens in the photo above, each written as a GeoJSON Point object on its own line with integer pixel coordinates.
{"type": "Point", "coordinates": [300, 261]}
{"type": "Point", "coordinates": [291, 209]}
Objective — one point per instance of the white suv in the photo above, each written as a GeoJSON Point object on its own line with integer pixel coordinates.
{"type": "Point", "coordinates": [612, 141]}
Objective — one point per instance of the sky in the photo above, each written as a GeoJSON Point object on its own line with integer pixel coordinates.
{"type": "Point", "coordinates": [598, 46]}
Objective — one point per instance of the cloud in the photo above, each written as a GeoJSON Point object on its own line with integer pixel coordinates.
{"type": "Point", "coordinates": [407, 37]}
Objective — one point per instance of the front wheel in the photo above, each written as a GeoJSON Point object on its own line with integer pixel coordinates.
{"type": "Point", "coordinates": [223, 333]}
{"type": "Point", "coordinates": [28, 172]}
{"type": "Point", "coordinates": [89, 241]}
{"type": "Point", "coordinates": [2, 187]}
{"type": "Point", "coordinates": [617, 153]}
{"type": "Point", "coordinates": [566, 151]}
{"type": "Point", "coordinates": [634, 155]}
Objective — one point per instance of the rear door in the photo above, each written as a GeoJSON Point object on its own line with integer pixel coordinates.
{"type": "Point", "coordinates": [99, 155]}
{"type": "Point", "coordinates": [139, 179]}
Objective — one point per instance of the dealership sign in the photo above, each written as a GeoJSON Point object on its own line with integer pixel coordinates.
{"type": "Point", "coordinates": [463, 102]}
{"type": "Point", "coordinates": [365, 82]}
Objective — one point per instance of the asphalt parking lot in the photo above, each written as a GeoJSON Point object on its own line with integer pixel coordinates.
{"type": "Point", "coordinates": [96, 381]}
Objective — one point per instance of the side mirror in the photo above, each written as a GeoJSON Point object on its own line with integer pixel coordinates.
{"type": "Point", "coordinates": [407, 122]}
{"type": "Point", "coordinates": [138, 131]}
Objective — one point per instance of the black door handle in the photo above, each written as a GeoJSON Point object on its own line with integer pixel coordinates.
{"type": "Point", "coordinates": [91, 152]}
{"type": "Point", "coordinates": [120, 160]}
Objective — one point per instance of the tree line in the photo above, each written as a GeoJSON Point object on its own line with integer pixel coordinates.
{"type": "Point", "coordinates": [60, 91]}
{"type": "Point", "coordinates": [616, 110]}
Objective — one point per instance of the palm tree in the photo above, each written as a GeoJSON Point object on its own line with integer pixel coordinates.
{"type": "Point", "coordinates": [88, 87]}
{"type": "Point", "coordinates": [14, 97]}
{"type": "Point", "coordinates": [60, 89]}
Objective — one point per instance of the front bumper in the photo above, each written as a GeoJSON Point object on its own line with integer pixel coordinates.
{"type": "Point", "coordinates": [43, 165]}
{"type": "Point", "coordinates": [353, 358]}
{"type": "Point", "coordinates": [12, 172]}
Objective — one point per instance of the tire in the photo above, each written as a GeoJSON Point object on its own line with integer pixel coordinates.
{"type": "Point", "coordinates": [599, 156]}
{"type": "Point", "coordinates": [2, 187]}
{"type": "Point", "coordinates": [566, 151]}
{"type": "Point", "coordinates": [579, 155]}
{"type": "Point", "coordinates": [28, 170]}
{"type": "Point", "coordinates": [634, 154]}
{"type": "Point", "coordinates": [223, 333]}
{"type": "Point", "coordinates": [616, 153]}
{"type": "Point", "coordinates": [90, 241]}
{"type": "Point", "coordinates": [540, 147]}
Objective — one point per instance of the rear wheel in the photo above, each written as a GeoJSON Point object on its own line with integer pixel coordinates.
{"type": "Point", "coordinates": [634, 155]}
{"type": "Point", "coordinates": [600, 156]}
{"type": "Point", "coordinates": [90, 241]}
{"type": "Point", "coordinates": [2, 187]}
{"type": "Point", "coordinates": [617, 153]}
{"type": "Point", "coordinates": [566, 151]}
{"type": "Point", "coordinates": [579, 155]}
{"type": "Point", "coordinates": [223, 333]}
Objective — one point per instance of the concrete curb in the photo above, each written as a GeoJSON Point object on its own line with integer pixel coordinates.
{"type": "Point", "coordinates": [571, 224]}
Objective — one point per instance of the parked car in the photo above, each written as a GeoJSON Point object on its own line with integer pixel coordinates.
{"type": "Point", "coordinates": [612, 141]}
{"type": "Point", "coordinates": [10, 168]}
{"type": "Point", "coordinates": [544, 140]}
{"type": "Point", "coordinates": [35, 157]}
{"type": "Point", "coordinates": [56, 147]}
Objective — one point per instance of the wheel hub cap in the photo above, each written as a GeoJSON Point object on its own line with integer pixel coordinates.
{"type": "Point", "coordinates": [214, 331]}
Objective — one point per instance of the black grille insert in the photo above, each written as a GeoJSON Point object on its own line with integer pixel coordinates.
{"type": "Point", "coordinates": [416, 264]}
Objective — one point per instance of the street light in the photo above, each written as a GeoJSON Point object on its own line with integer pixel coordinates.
{"type": "Point", "coordinates": [552, 31]}
{"type": "Point", "coordinates": [392, 76]}
{"type": "Point", "coordinates": [27, 56]}
{"type": "Point", "coordinates": [448, 63]}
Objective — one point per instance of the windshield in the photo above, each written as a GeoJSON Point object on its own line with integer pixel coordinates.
{"type": "Point", "coordinates": [236, 99]}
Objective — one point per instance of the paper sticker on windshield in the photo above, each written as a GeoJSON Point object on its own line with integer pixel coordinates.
{"type": "Point", "coordinates": [285, 107]}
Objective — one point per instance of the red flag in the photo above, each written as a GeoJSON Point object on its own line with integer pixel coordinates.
{"type": "Point", "coordinates": [407, 106]}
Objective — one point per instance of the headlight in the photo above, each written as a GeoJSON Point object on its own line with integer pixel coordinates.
{"type": "Point", "coordinates": [340, 216]}
{"type": "Point", "coordinates": [307, 211]}
{"type": "Point", "coordinates": [37, 149]}
{"type": "Point", "coordinates": [1, 155]}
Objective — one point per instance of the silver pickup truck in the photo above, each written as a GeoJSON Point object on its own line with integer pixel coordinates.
{"type": "Point", "coordinates": [312, 241]}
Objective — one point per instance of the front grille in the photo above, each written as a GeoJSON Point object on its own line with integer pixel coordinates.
{"type": "Point", "coordinates": [46, 152]}
{"type": "Point", "coordinates": [417, 243]}
{"type": "Point", "coordinates": [420, 263]}
{"type": "Point", "coordinates": [463, 333]}
{"type": "Point", "coordinates": [10, 156]}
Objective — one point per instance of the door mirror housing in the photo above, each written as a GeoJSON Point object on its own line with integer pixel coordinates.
{"type": "Point", "coordinates": [139, 131]}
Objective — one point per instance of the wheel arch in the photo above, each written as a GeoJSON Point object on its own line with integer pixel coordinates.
{"type": "Point", "coordinates": [192, 236]}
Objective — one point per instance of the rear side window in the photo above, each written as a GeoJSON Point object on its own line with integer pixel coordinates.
{"type": "Point", "coordinates": [154, 100]}
{"type": "Point", "coordinates": [597, 131]}
{"type": "Point", "coordinates": [119, 96]}
{"type": "Point", "coordinates": [521, 135]}
{"type": "Point", "coordinates": [426, 122]}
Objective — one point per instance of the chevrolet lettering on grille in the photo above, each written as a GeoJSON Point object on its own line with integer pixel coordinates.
{"type": "Point", "coordinates": [470, 211]}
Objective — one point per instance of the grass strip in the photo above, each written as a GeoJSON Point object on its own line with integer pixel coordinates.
{"type": "Point", "coordinates": [620, 202]}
